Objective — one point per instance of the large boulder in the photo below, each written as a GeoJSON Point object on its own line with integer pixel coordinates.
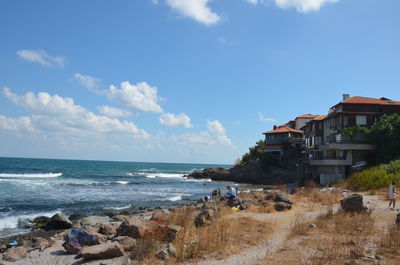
{"type": "Point", "coordinates": [125, 241]}
{"type": "Point", "coordinates": [93, 220]}
{"type": "Point", "coordinates": [77, 238]}
{"type": "Point", "coordinates": [58, 221]}
{"type": "Point", "coordinates": [282, 206]}
{"type": "Point", "coordinates": [161, 215]}
{"type": "Point", "coordinates": [76, 217]}
{"type": "Point", "coordinates": [15, 253]}
{"type": "Point", "coordinates": [280, 197]}
{"type": "Point", "coordinates": [107, 229]}
{"type": "Point", "coordinates": [353, 203]}
{"type": "Point", "coordinates": [170, 232]}
{"type": "Point", "coordinates": [204, 218]}
{"type": "Point", "coordinates": [136, 228]}
{"type": "Point", "coordinates": [103, 251]}
{"type": "Point", "coordinates": [235, 202]}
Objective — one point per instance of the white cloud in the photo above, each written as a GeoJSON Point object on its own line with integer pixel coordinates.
{"type": "Point", "coordinates": [195, 9]}
{"type": "Point", "coordinates": [141, 96]}
{"type": "Point", "coordinates": [172, 120]}
{"type": "Point", "coordinates": [17, 125]}
{"type": "Point", "coordinates": [55, 114]}
{"type": "Point", "coordinates": [113, 112]}
{"type": "Point", "coordinates": [303, 6]}
{"type": "Point", "coordinates": [87, 81]}
{"type": "Point", "coordinates": [215, 135]}
{"type": "Point", "coordinates": [41, 57]}
{"type": "Point", "coordinates": [261, 117]}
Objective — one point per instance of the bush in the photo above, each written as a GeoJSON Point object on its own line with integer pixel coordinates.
{"type": "Point", "coordinates": [376, 177]}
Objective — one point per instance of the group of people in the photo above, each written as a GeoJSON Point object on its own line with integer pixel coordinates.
{"type": "Point", "coordinates": [230, 194]}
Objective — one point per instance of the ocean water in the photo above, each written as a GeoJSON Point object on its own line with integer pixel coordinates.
{"type": "Point", "coordinates": [33, 187]}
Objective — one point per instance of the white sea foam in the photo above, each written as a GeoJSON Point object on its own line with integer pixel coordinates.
{"type": "Point", "coordinates": [164, 175]}
{"type": "Point", "coordinates": [30, 175]}
{"type": "Point", "coordinates": [117, 208]}
{"type": "Point", "coordinates": [175, 198]}
{"type": "Point", "coordinates": [122, 182]}
{"type": "Point", "coordinates": [10, 222]}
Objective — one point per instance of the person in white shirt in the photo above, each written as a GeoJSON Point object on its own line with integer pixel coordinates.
{"type": "Point", "coordinates": [392, 194]}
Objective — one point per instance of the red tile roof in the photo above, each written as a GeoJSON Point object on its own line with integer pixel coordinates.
{"type": "Point", "coordinates": [283, 130]}
{"type": "Point", "coordinates": [273, 146]}
{"type": "Point", "coordinates": [365, 100]}
{"type": "Point", "coordinates": [306, 116]}
{"type": "Point", "coordinates": [320, 118]}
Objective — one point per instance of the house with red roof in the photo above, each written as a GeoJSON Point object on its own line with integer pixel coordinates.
{"type": "Point", "coordinates": [331, 155]}
{"type": "Point", "coordinates": [280, 138]}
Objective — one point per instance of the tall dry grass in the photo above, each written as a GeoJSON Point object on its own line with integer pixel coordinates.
{"type": "Point", "coordinates": [316, 195]}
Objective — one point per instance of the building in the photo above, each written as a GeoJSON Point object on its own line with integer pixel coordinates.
{"type": "Point", "coordinates": [333, 155]}
{"type": "Point", "coordinates": [277, 140]}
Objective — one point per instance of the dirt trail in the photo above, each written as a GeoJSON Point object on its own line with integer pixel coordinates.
{"type": "Point", "coordinates": [283, 222]}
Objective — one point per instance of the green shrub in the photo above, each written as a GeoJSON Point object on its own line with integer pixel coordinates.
{"type": "Point", "coordinates": [376, 177]}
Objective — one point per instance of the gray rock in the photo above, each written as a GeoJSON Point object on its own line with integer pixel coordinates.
{"type": "Point", "coordinates": [125, 241]}
{"type": "Point", "coordinates": [94, 219]}
{"type": "Point", "coordinates": [58, 221]}
{"type": "Point", "coordinates": [103, 251]}
{"type": "Point", "coordinates": [136, 228]}
{"type": "Point", "coordinates": [353, 203]}
{"type": "Point", "coordinates": [282, 206]}
{"type": "Point", "coordinates": [107, 229]}
{"type": "Point", "coordinates": [280, 197]}
{"type": "Point", "coordinates": [204, 218]}
{"type": "Point", "coordinates": [15, 253]}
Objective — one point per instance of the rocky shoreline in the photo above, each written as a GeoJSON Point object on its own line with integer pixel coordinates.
{"type": "Point", "coordinates": [113, 235]}
{"type": "Point", "coordinates": [252, 172]}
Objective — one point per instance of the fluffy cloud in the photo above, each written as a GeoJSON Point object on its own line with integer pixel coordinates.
{"type": "Point", "coordinates": [195, 9]}
{"type": "Point", "coordinates": [141, 96]}
{"type": "Point", "coordinates": [215, 135]}
{"type": "Point", "coordinates": [87, 81]}
{"type": "Point", "coordinates": [261, 117]}
{"type": "Point", "coordinates": [113, 112]}
{"type": "Point", "coordinates": [41, 57]}
{"type": "Point", "coordinates": [303, 6]}
{"type": "Point", "coordinates": [18, 125]}
{"type": "Point", "coordinates": [172, 120]}
{"type": "Point", "coordinates": [55, 114]}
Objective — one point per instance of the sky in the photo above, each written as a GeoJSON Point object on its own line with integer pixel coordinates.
{"type": "Point", "coordinates": [191, 81]}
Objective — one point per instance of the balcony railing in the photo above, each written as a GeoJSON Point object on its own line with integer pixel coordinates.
{"type": "Point", "coordinates": [335, 141]}
{"type": "Point", "coordinates": [329, 158]}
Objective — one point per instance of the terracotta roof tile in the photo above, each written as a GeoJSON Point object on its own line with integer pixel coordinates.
{"type": "Point", "coordinates": [306, 116]}
{"type": "Point", "coordinates": [320, 118]}
{"type": "Point", "coordinates": [365, 100]}
{"type": "Point", "coordinates": [283, 130]}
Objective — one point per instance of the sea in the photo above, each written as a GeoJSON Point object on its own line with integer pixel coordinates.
{"type": "Point", "coordinates": [44, 187]}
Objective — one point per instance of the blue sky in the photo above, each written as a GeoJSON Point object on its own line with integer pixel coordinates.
{"type": "Point", "coordinates": [182, 80]}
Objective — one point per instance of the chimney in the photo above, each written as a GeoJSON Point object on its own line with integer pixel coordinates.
{"type": "Point", "coordinates": [275, 127]}
{"type": "Point", "coordinates": [345, 96]}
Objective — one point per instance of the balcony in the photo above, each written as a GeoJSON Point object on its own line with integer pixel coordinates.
{"type": "Point", "coordinates": [330, 161]}
{"type": "Point", "coordinates": [346, 145]}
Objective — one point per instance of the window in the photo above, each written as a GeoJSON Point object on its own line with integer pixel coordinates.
{"type": "Point", "coordinates": [345, 121]}
{"type": "Point", "coordinates": [361, 120]}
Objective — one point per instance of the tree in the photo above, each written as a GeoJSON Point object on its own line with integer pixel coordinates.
{"type": "Point", "coordinates": [354, 131]}
{"type": "Point", "coordinates": [385, 135]}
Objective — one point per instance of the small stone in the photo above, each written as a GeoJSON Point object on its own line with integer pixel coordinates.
{"type": "Point", "coordinates": [377, 256]}
{"type": "Point", "coordinates": [15, 253]}
{"type": "Point", "coordinates": [312, 226]}
{"type": "Point", "coordinates": [359, 229]}
{"type": "Point", "coordinates": [103, 251]}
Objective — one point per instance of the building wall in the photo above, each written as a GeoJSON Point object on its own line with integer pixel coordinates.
{"type": "Point", "coordinates": [300, 122]}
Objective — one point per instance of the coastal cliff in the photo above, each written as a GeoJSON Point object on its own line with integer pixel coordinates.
{"type": "Point", "coordinates": [252, 171]}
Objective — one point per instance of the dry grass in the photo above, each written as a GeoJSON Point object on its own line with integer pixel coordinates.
{"type": "Point", "coordinates": [300, 226]}
{"type": "Point", "coordinates": [315, 195]}
{"type": "Point", "coordinates": [389, 244]}
{"type": "Point", "coordinates": [227, 235]}
{"type": "Point", "coordinates": [338, 238]}
{"type": "Point", "coordinates": [224, 237]}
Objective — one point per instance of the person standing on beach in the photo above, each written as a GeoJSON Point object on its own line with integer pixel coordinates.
{"type": "Point", "coordinates": [392, 195]}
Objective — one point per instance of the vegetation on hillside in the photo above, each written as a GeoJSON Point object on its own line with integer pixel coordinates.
{"type": "Point", "coordinates": [257, 153]}
{"type": "Point", "coordinates": [376, 177]}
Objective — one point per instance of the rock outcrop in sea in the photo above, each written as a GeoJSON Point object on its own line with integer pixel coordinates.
{"type": "Point", "coordinates": [249, 172]}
